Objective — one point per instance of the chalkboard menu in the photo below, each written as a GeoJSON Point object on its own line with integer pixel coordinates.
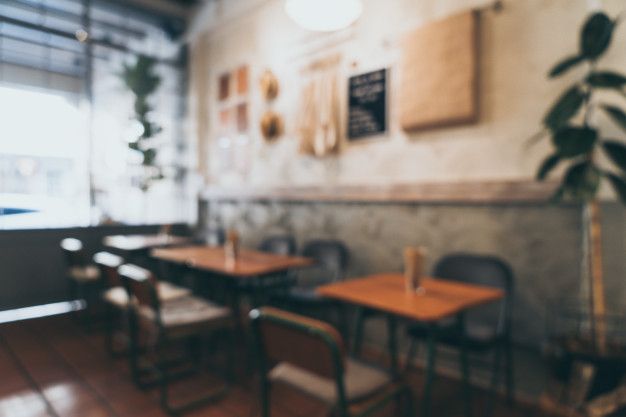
{"type": "Point", "coordinates": [367, 104]}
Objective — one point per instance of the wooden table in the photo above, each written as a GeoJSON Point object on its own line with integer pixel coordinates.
{"type": "Point", "coordinates": [137, 243]}
{"type": "Point", "coordinates": [249, 264]}
{"type": "Point", "coordinates": [439, 300]}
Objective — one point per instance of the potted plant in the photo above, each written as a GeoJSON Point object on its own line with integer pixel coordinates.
{"type": "Point", "coordinates": [576, 125]}
{"type": "Point", "coordinates": [142, 81]}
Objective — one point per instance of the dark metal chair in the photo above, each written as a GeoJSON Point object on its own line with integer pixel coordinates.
{"type": "Point", "coordinates": [83, 276]}
{"type": "Point", "coordinates": [115, 295]}
{"type": "Point", "coordinates": [331, 263]}
{"type": "Point", "coordinates": [279, 244]}
{"type": "Point", "coordinates": [211, 237]}
{"type": "Point", "coordinates": [162, 322]}
{"type": "Point", "coordinates": [309, 356]}
{"type": "Point", "coordinates": [482, 329]}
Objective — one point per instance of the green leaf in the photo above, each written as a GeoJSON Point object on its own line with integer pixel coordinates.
{"type": "Point", "coordinates": [616, 152]}
{"type": "Point", "coordinates": [548, 165]}
{"type": "Point", "coordinates": [617, 115]}
{"type": "Point", "coordinates": [565, 108]}
{"type": "Point", "coordinates": [565, 65]}
{"type": "Point", "coordinates": [149, 156]}
{"type": "Point", "coordinates": [582, 181]}
{"type": "Point", "coordinates": [619, 185]}
{"type": "Point", "coordinates": [606, 79]}
{"type": "Point", "coordinates": [574, 141]}
{"type": "Point", "coordinates": [596, 35]}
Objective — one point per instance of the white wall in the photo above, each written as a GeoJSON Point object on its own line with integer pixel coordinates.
{"type": "Point", "coordinates": [518, 47]}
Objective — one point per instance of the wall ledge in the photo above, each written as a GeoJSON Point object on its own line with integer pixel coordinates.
{"type": "Point", "coordinates": [469, 192]}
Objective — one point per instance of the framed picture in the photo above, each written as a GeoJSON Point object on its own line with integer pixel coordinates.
{"type": "Point", "coordinates": [224, 86]}
{"type": "Point", "coordinates": [367, 105]}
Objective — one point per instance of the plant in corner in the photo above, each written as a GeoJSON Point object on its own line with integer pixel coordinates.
{"type": "Point", "coordinates": [577, 125]}
{"type": "Point", "coordinates": [142, 81]}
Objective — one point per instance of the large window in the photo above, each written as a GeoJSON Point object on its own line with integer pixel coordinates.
{"type": "Point", "coordinates": [65, 114]}
{"type": "Point", "coordinates": [43, 158]}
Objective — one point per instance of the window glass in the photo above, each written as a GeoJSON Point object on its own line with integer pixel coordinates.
{"type": "Point", "coordinates": [43, 159]}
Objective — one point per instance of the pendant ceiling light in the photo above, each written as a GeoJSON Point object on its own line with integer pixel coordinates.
{"type": "Point", "coordinates": [324, 15]}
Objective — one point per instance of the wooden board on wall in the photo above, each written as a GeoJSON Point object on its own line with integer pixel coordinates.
{"type": "Point", "coordinates": [474, 192]}
{"type": "Point", "coordinates": [440, 73]}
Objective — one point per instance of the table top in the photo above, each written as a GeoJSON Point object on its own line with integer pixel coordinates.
{"type": "Point", "coordinates": [249, 263]}
{"type": "Point", "coordinates": [129, 243]}
{"type": "Point", "coordinates": [386, 292]}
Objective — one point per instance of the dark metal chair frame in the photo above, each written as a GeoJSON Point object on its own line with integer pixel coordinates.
{"type": "Point", "coordinates": [310, 250]}
{"type": "Point", "coordinates": [501, 341]}
{"type": "Point", "coordinates": [141, 286]}
{"type": "Point", "coordinates": [108, 264]}
{"type": "Point", "coordinates": [74, 253]}
{"type": "Point", "coordinates": [400, 391]}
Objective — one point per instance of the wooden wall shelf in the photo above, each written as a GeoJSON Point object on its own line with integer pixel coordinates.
{"type": "Point", "coordinates": [475, 192]}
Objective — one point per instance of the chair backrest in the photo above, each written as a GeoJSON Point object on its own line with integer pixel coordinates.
{"type": "Point", "coordinates": [331, 255]}
{"type": "Point", "coordinates": [211, 237]}
{"type": "Point", "coordinates": [279, 244]}
{"type": "Point", "coordinates": [108, 264]}
{"type": "Point", "coordinates": [300, 341]}
{"type": "Point", "coordinates": [141, 286]}
{"type": "Point", "coordinates": [481, 270]}
{"type": "Point", "coordinates": [74, 252]}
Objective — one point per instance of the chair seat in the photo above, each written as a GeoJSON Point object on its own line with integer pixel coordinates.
{"type": "Point", "coordinates": [118, 296]}
{"type": "Point", "coordinates": [87, 273]}
{"type": "Point", "coordinates": [360, 380]}
{"type": "Point", "coordinates": [187, 315]}
{"type": "Point", "coordinates": [477, 337]}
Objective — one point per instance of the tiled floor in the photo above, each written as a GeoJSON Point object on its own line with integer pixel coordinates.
{"type": "Point", "coordinates": [52, 367]}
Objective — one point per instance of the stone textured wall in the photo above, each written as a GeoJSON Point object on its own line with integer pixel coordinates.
{"type": "Point", "coordinates": [541, 242]}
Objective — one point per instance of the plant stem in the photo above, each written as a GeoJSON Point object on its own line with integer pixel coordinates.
{"type": "Point", "coordinates": [593, 249]}
{"type": "Point", "coordinates": [595, 272]}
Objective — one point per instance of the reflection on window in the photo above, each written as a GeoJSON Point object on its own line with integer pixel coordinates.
{"type": "Point", "coordinates": [43, 160]}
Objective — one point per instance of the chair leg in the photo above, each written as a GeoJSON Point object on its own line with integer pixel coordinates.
{"type": "Point", "coordinates": [231, 371]}
{"type": "Point", "coordinates": [409, 410]}
{"type": "Point", "coordinates": [510, 378]}
{"type": "Point", "coordinates": [342, 321]}
{"type": "Point", "coordinates": [133, 357]}
{"type": "Point", "coordinates": [465, 372]}
{"type": "Point", "coordinates": [495, 381]}
{"type": "Point", "coordinates": [265, 396]}
{"type": "Point", "coordinates": [86, 291]}
{"type": "Point", "coordinates": [73, 290]}
{"type": "Point", "coordinates": [410, 354]}
{"type": "Point", "coordinates": [108, 329]}
{"type": "Point", "coordinates": [165, 378]}
{"type": "Point", "coordinates": [430, 371]}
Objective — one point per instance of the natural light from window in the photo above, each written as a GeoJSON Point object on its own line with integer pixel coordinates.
{"type": "Point", "coordinates": [43, 159]}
